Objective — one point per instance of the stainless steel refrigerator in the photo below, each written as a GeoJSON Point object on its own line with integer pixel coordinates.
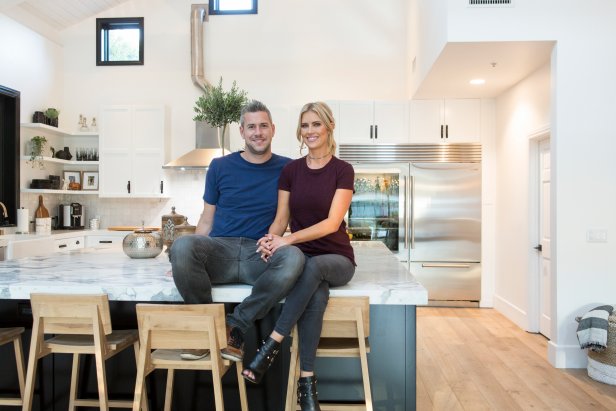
{"type": "Point", "coordinates": [427, 211]}
{"type": "Point", "coordinates": [445, 231]}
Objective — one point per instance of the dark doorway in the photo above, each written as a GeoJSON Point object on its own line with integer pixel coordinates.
{"type": "Point", "coordinates": [9, 155]}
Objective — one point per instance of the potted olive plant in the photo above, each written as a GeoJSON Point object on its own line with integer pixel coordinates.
{"type": "Point", "coordinates": [37, 148]}
{"type": "Point", "coordinates": [219, 108]}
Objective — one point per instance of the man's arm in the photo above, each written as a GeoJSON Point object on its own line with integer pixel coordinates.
{"type": "Point", "coordinates": [206, 220]}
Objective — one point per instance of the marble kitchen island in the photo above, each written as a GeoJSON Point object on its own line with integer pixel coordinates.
{"type": "Point", "coordinates": [393, 293]}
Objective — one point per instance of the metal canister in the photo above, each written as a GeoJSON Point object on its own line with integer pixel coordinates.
{"type": "Point", "coordinates": [168, 223]}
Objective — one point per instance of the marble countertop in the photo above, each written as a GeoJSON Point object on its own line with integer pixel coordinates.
{"type": "Point", "coordinates": [379, 275]}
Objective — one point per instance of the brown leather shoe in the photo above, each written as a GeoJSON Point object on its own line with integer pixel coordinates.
{"type": "Point", "coordinates": [235, 345]}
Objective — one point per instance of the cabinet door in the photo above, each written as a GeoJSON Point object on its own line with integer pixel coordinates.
{"type": "Point", "coordinates": [356, 120]}
{"type": "Point", "coordinates": [115, 150]}
{"type": "Point", "coordinates": [463, 118]}
{"type": "Point", "coordinates": [426, 120]}
{"type": "Point", "coordinates": [147, 151]}
{"type": "Point", "coordinates": [391, 121]}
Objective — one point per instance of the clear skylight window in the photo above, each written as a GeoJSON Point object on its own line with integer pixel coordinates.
{"type": "Point", "coordinates": [233, 6]}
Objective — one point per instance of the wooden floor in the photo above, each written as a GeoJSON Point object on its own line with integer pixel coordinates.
{"type": "Point", "coordinates": [476, 359]}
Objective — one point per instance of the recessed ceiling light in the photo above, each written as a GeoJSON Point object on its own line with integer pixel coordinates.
{"type": "Point", "coordinates": [477, 81]}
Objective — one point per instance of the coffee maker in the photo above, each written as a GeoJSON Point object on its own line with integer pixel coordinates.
{"type": "Point", "coordinates": [72, 216]}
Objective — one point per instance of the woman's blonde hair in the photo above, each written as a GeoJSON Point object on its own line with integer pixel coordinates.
{"type": "Point", "coordinates": [323, 111]}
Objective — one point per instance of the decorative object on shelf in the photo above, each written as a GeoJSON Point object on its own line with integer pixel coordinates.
{"type": "Point", "coordinates": [38, 117]}
{"type": "Point", "coordinates": [64, 154]}
{"type": "Point", "coordinates": [41, 184]}
{"type": "Point", "coordinates": [83, 123]}
{"type": "Point", "coordinates": [142, 243]}
{"type": "Point", "coordinates": [93, 126]}
{"type": "Point", "coordinates": [52, 115]}
{"type": "Point", "coordinates": [37, 147]}
{"type": "Point", "coordinates": [56, 182]}
{"type": "Point", "coordinates": [183, 229]}
{"type": "Point", "coordinates": [73, 178]}
{"type": "Point", "coordinates": [219, 108]}
{"type": "Point", "coordinates": [90, 180]}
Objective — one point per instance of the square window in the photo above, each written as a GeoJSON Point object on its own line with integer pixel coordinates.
{"type": "Point", "coordinates": [233, 6]}
{"type": "Point", "coordinates": [119, 41]}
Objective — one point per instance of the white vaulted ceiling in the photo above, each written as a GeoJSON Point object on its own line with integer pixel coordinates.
{"type": "Point", "coordinates": [50, 17]}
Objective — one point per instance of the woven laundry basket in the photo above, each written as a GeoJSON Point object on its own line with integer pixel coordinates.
{"type": "Point", "coordinates": [602, 365]}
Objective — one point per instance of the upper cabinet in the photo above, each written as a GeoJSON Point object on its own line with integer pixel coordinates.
{"type": "Point", "coordinates": [456, 121]}
{"type": "Point", "coordinates": [372, 122]}
{"type": "Point", "coordinates": [132, 151]}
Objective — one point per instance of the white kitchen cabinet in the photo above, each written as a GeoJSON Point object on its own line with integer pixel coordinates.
{"type": "Point", "coordinates": [69, 243]}
{"type": "Point", "coordinates": [57, 138]}
{"type": "Point", "coordinates": [99, 241]}
{"type": "Point", "coordinates": [132, 151]}
{"type": "Point", "coordinates": [372, 122]}
{"type": "Point", "coordinates": [436, 121]}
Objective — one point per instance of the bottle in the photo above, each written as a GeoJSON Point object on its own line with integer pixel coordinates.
{"type": "Point", "coordinates": [41, 211]}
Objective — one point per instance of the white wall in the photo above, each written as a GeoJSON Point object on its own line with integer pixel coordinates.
{"type": "Point", "coordinates": [288, 54]}
{"type": "Point", "coordinates": [522, 110]}
{"type": "Point", "coordinates": [583, 143]}
{"type": "Point", "coordinates": [32, 65]}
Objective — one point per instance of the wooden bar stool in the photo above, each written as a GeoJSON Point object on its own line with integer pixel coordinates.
{"type": "Point", "coordinates": [82, 324]}
{"type": "Point", "coordinates": [13, 335]}
{"type": "Point", "coordinates": [167, 329]}
{"type": "Point", "coordinates": [346, 326]}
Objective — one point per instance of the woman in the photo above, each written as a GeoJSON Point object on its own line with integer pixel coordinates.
{"type": "Point", "coordinates": [314, 193]}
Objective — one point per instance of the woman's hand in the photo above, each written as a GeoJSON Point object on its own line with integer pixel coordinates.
{"type": "Point", "coordinates": [269, 243]}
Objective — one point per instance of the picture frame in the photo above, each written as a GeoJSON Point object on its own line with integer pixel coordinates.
{"type": "Point", "coordinates": [70, 178]}
{"type": "Point", "coordinates": [90, 180]}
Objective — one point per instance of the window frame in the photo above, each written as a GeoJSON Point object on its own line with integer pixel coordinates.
{"type": "Point", "coordinates": [213, 9]}
{"type": "Point", "coordinates": [104, 24]}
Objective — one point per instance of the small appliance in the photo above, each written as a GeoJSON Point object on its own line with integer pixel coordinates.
{"type": "Point", "coordinates": [72, 216]}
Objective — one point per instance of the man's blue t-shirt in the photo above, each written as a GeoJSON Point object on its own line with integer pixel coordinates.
{"type": "Point", "coordinates": [245, 195]}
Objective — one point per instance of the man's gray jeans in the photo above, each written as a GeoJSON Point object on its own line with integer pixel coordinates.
{"type": "Point", "coordinates": [198, 262]}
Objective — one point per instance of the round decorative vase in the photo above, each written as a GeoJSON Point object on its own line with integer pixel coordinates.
{"type": "Point", "coordinates": [142, 244]}
{"type": "Point", "coordinates": [168, 223]}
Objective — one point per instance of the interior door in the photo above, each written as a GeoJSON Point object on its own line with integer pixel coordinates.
{"type": "Point", "coordinates": [545, 289]}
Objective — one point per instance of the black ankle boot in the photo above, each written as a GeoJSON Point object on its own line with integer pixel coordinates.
{"type": "Point", "coordinates": [307, 394]}
{"type": "Point", "coordinates": [263, 360]}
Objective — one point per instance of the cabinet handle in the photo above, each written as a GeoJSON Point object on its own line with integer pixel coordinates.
{"type": "Point", "coordinates": [441, 131]}
{"type": "Point", "coordinates": [376, 131]}
{"type": "Point", "coordinates": [447, 131]}
{"type": "Point", "coordinates": [105, 241]}
{"type": "Point", "coordinates": [128, 187]}
{"type": "Point", "coordinates": [161, 186]}
{"type": "Point", "coordinates": [77, 242]}
{"type": "Point", "coordinates": [371, 128]}
{"type": "Point", "coordinates": [62, 246]}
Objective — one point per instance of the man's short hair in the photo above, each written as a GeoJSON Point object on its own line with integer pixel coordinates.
{"type": "Point", "coordinates": [254, 106]}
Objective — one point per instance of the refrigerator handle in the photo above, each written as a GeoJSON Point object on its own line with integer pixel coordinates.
{"type": "Point", "coordinates": [406, 199]}
{"type": "Point", "coordinates": [412, 203]}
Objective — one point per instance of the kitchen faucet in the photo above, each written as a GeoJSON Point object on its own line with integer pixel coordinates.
{"type": "Point", "coordinates": [5, 216]}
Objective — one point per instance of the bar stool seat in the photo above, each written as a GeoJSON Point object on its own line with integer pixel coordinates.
{"type": "Point", "coordinates": [13, 335]}
{"type": "Point", "coordinates": [346, 327]}
{"type": "Point", "coordinates": [82, 325]}
{"type": "Point", "coordinates": [167, 329]}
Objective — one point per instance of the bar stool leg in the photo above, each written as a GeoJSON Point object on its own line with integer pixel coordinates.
{"type": "Point", "coordinates": [169, 389]}
{"type": "Point", "coordinates": [19, 359]}
{"type": "Point", "coordinates": [101, 380]}
{"type": "Point", "coordinates": [33, 357]}
{"type": "Point", "coordinates": [143, 406]}
{"type": "Point", "coordinates": [74, 383]}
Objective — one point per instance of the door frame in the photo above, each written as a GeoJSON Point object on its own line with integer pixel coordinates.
{"type": "Point", "coordinates": [534, 174]}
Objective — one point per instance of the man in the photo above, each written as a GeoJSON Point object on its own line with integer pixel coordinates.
{"type": "Point", "coordinates": [240, 199]}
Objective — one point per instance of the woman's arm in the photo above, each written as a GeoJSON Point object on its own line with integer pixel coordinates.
{"type": "Point", "coordinates": [338, 208]}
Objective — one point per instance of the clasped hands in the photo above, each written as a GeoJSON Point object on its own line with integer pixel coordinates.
{"type": "Point", "coordinates": [268, 244]}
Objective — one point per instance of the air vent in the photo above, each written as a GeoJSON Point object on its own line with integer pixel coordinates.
{"type": "Point", "coordinates": [490, 3]}
{"type": "Point", "coordinates": [425, 153]}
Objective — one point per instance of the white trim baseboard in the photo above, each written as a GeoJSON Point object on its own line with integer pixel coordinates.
{"type": "Point", "coordinates": [567, 356]}
{"type": "Point", "coordinates": [511, 311]}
